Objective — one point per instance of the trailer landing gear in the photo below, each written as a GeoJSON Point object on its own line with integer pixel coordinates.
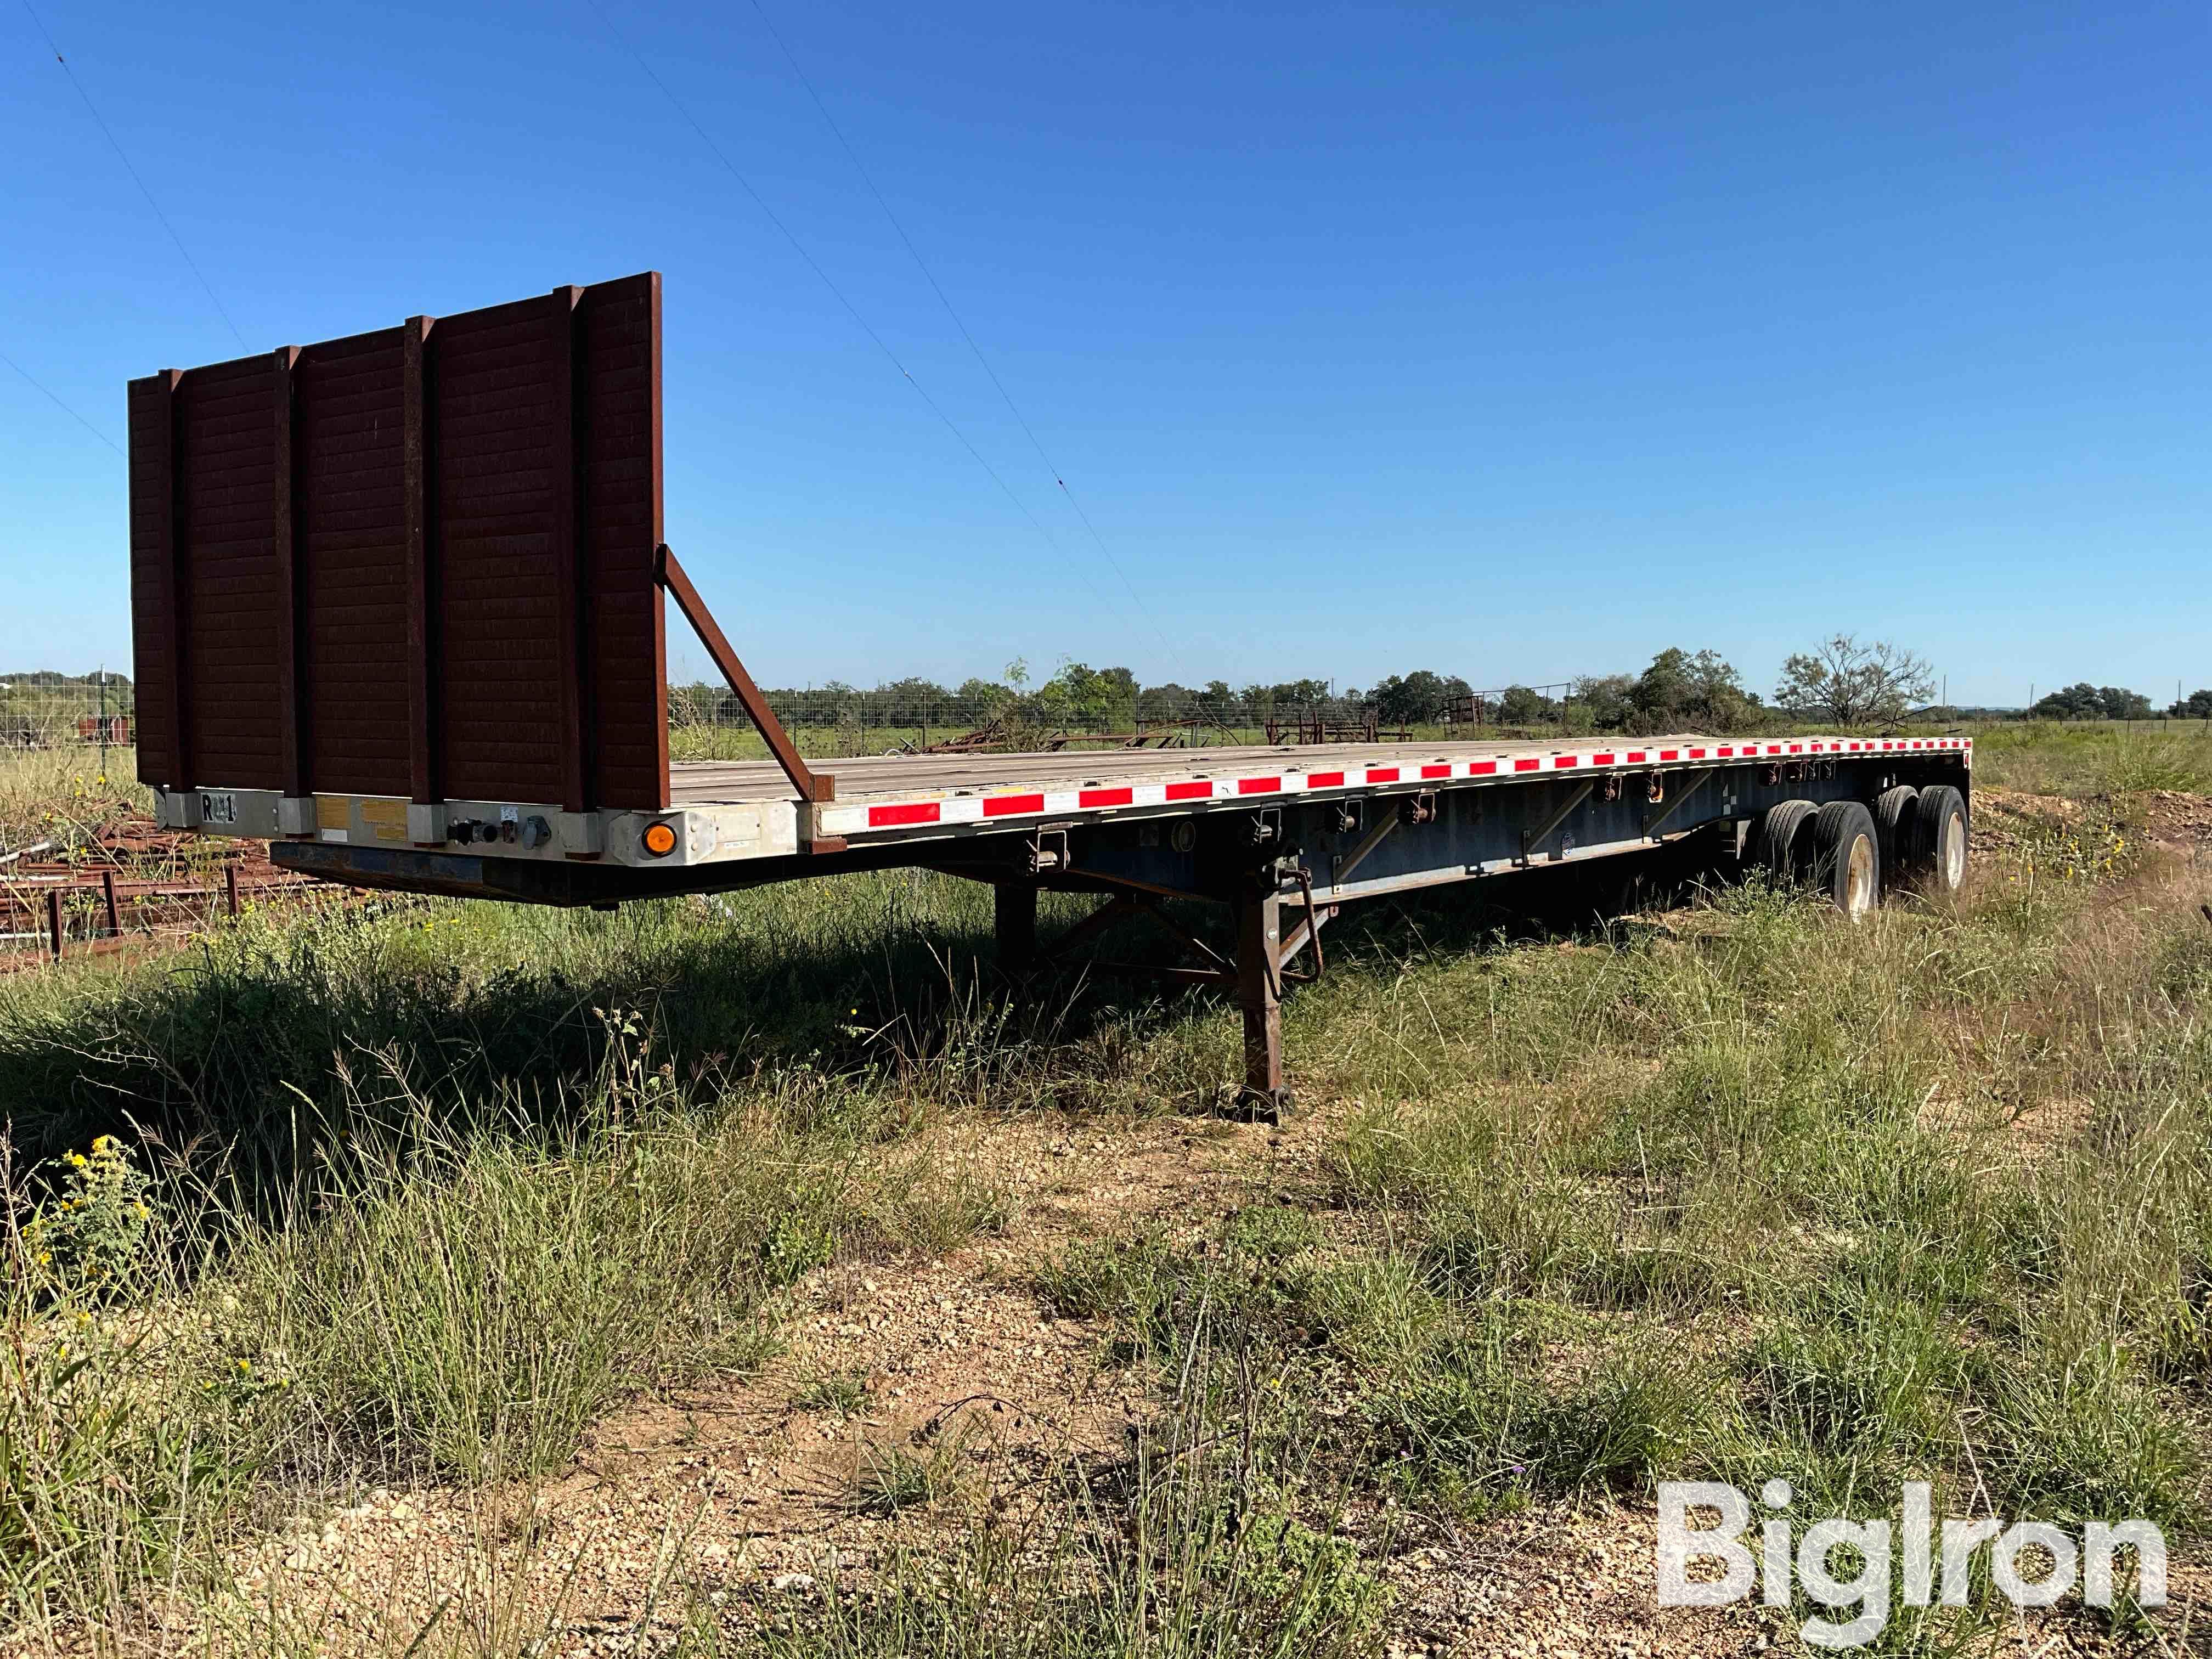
{"type": "Point", "coordinates": [1255, 976]}
{"type": "Point", "coordinates": [1259, 994]}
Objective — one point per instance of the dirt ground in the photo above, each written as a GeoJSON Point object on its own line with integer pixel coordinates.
{"type": "Point", "coordinates": [2174, 822]}
{"type": "Point", "coordinates": [727, 1500]}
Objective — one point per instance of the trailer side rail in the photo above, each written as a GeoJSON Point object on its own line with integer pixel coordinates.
{"type": "Point", "coordinates": [914, 815]}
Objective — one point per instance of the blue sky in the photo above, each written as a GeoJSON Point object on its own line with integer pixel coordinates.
{"type": "Point", "coordinates": [1516, 342]}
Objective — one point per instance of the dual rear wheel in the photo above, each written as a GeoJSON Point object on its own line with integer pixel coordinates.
{"type": "Point", "coordinates": [1850, 853]}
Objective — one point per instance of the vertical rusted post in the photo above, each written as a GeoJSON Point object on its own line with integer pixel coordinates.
{"type": "Point", "coordinates": [415, 507]}
{"type": "Point", "coordinates": [291, 732]}
{"type": "Point", "coordinates": [230, 890]}
{"type": "Point", "coordinates": [570, 604]}
{"type": "Point", "coordinates": [1259, 994]}
{"type": "Point", "coordinates": [1014, 923]}
{"type": "Point", "coordinates": [54, 921]}
{"type": "Point", "coordinates": [660, 535]}
{"type": "Point", "coordinates": [114, 910]}
{"type": "Point", "coordinates": [170, 531]}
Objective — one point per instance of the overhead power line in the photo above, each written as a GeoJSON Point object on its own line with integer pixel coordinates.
{"type": "Point", "coordinates": [51, 396]}
{"type": "Point", "coordinates": [100, 122]}
{"type": "Point", "coordinates": [958, 322]}
{"type": "Point", "coordinates": [851, 310]}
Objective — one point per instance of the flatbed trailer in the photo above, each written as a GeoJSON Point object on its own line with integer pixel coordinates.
{"type": "Point", "coordinates": [400, 608]}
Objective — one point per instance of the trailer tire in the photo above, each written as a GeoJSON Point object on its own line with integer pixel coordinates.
{"type": "Point", "coordinates": [1780, 843]}
{"type": "Point", "coordinates": [1936, 843]}
{"type": "Point", "coordinates": [1893, 825]}
{"type": "Point", "coordinates": [1847, 857]}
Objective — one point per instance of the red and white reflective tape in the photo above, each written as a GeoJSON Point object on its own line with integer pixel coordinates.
{"type": "Point", "coordinates": [859, 818]}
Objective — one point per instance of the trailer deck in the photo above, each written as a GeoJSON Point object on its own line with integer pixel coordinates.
{"type": "Point", "coordinates": [726, 812]}
{"type": "Point", "coordinates": [399, 606]}
{"type": "Point", "coordinates": [914, 796]}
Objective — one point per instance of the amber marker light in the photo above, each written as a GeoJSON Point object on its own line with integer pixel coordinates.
{"type": "Point", "coordinates": [659, 839]}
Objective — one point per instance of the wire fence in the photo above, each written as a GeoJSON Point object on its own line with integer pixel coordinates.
{"type": "Point", "coordinates": [46, 712]}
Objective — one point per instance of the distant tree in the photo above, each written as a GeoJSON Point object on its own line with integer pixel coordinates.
{"type": "Point", "coordinates": [1166, 702]}
{"type": "Point", "coordinates": [1606, 701]}
{"type": "Point", "coordinates": [1662, 690]}
{"type": "Point", "coordinates": [1521, 705]}
{"type": "Point", "coordinates": [1097, 697]}
{"type": "Point", "coordinates": [2084, 701]}
{"type": "Point", "coordinates": [2196, 706]}
{"type": "Point", "coordinates": [1718, 699]}
{"type": "Point", "coordinates": [1392, 698]}
{"type": "Point", "coordinates": [831, 703]}
{"type": "Point", "coordinates": [2078, 702]}
{"type": "Point", "coordinates": [911, 701]}
{"type": "Point", "coordinates": [979, 700]}
{"type": "Point", "coordinates": [1414, 699]}
{"type": "Point", "coordinates": [1677, 690]}
{"type": "Point", "coordinates": [1853, 684]}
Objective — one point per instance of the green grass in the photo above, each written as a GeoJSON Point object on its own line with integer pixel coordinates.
{"type": "Point", "coordinates": [1901, 1290]}
{"type": "Point", "coordinates": [2094, 757]}
{"type": "Point", "coordinates": [839, 1393]}
{"type": "Point", "coordinates": [273, 1038]}
{"type": "Point", "coordinates": [457, 1299]}
{"type": "Point", "coordinates": [51, 794]}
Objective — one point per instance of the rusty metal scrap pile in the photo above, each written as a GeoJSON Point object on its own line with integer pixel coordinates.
{"type": "Point", "coordinates": [125, 880]}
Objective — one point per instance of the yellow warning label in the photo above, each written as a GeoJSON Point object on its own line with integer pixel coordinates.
{"type": "Point", "coordinates": [333, 812]}
{"type": "Point", "coordinates": [387, 819]}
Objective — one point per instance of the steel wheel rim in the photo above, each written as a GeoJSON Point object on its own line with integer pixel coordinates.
{"type": "Point", "coordinates": [1859, 877]}
{"type": "Point", "coordinates": [1954, 849]}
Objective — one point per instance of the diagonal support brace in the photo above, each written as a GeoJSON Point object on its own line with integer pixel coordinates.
{"type": "Point", "coordinates": [1653, 825]}
{"type": "Point", "coordinates": [1532, 839]}
{"type": "Point", "coordinates": [1374, 838]}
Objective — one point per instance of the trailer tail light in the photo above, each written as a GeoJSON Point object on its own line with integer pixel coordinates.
{"type": "Point", "coordinates": [659, 839]}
